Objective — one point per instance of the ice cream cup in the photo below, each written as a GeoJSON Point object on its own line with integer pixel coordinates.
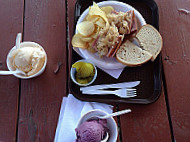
{"type": "Point", "coordinates": [22, 45]}
{"type": "Point", "coordinates": [73, 71]}
{"type": "Point", "coordinates": [111, 124]}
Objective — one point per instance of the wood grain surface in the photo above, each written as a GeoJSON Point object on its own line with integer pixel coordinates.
{"type": "Point", "coordinates": [11, 15]}
{"type": "Point", "coordinates": [41, 97]}
{"type": "Point", "coordinates": [175, 29]}
{"type": "Point", "coordinates": [146, 122]}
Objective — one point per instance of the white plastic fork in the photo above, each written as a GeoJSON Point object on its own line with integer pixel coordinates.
{"type": "Point", "coordinates": [123, 92]}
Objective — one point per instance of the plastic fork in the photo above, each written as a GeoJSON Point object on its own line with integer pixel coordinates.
{"type": "Point", "coordinates": [123, 92]}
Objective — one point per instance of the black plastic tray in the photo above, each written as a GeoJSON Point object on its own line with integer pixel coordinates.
{"type": "Point", "coordinates": [149, 74]}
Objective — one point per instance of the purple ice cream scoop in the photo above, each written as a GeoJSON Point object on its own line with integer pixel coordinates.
{"type": "Point", "coordinates": [92, 131]}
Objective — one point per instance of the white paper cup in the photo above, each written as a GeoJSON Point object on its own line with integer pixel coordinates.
{"type": "Point", "coordinates": [22, 45]}
{"type": "Point", "coordinates": [111, 124]}
{"type": "Point", "coordinates": [73, 72]}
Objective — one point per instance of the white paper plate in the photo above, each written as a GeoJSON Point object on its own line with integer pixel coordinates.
{"type": "Point", "coordinates": [107, 63]}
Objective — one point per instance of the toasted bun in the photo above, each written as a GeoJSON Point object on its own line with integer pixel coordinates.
{"type": "Point", "coordinates": [150, 40]}
{"type": "Point", "coordinates": [132, 55]}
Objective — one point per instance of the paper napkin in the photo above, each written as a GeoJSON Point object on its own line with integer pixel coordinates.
{"type": "Point", "coordinates": [71, 111]}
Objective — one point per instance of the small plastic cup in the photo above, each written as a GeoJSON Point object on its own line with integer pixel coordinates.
{"type": "Point", "coordinates": [22, 45]}
{"type": "Point", "coordinates": [73, 72]}
{"type": "Point", "coordinates": [111, 124]}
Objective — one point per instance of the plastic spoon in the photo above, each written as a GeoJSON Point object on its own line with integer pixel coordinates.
{"type": "Point", "coordinates": [106, 138]}
{"type": "Point", "coordinates": [18, 40]}
{"type": "Point", "coordinates": [12, 72]}
{"type": "Point", "coordinates": [112, 114]}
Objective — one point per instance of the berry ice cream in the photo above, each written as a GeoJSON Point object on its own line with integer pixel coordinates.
{"type": "Point", "coordinates": [92, 131]}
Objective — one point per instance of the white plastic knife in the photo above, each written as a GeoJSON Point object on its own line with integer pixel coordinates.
{"type": "Point", "coordinates": [105, 86]}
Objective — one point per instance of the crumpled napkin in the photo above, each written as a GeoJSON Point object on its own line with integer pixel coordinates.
{"type": "Point", "coordinates": [71, 111]}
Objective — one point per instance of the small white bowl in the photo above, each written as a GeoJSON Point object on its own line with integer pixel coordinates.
{"type": "Point", "coordinates": [111, 124]}
{"type": "Point", "coordinates": [22, 45]}
{"type": "Point", "coordinates": [73, 71]}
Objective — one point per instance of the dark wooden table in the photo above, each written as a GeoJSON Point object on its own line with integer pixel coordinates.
{"type": "Point", "coordinates": [29, 109]}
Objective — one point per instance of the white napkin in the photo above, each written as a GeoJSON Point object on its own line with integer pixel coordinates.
{"type": "Point", "coordinates": [114, 73]}
{"type": "Point", "coordinates": [71, 111]}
